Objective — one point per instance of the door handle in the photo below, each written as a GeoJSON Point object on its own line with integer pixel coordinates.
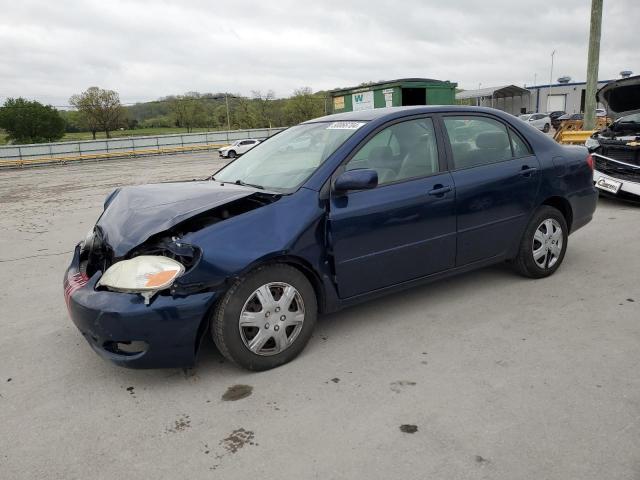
{"type": "Point", "coordinates": [439, 190]}
{"type": "Point", "coordinates": [527, 171]}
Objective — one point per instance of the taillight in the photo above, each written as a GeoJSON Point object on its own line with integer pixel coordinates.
{"type": "Point", "coordinates": [590, 161]}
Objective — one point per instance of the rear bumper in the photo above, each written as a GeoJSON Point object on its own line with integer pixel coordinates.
{"type": "Point", "coordinates": [125, 331]}
{"type": "Point", "coordinates": [583, 206]}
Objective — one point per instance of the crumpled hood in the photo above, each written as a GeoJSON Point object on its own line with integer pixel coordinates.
{"type": "Point", "coordinates": [134, 214]}
{"type": "Point", "coordinates": [621, 97]}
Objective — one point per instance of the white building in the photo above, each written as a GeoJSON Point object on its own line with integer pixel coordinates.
{"type": "Point", "coordinates": [568, 97]}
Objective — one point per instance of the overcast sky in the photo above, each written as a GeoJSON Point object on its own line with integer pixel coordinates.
{"type": "Point", "coordinates": [50, 50]}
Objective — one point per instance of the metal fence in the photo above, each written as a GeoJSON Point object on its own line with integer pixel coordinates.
{"type": "Point", "coordinates": [62, 152]}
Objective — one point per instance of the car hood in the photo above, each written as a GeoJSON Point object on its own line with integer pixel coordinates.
{"type": "Point", "coordinates": [621, 97]}
{"type": "Point", "coordinates": [133, 214]}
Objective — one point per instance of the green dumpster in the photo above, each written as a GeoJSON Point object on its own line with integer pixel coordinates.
{"type": "Point", "coordinates": [394, 93]}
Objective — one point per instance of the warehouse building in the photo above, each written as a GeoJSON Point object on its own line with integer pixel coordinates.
{"type": "Point", "coordinates": [564, 95]}
{"type": "Point", "coordinates": [394, 93]}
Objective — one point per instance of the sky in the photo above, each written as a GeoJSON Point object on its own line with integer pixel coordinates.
{"type": "Point", "coordinates": [50, 50]}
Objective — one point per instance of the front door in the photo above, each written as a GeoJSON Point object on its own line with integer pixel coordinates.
{"type": "Point", "coordinates": [404, 228]}
{"type": "Point", "coordinates": [496, 178]}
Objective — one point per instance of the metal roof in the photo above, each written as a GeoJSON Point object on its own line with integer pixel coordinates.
{"type": "Point", "coordinates": [389, 83]}
{"type": "Point", "coordinates": [495, 92]}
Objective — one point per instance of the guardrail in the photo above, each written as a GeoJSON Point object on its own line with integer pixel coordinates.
{"type": "Point", "coordinates": [12, 156]}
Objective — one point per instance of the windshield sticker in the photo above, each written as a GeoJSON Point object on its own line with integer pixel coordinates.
{"type": "Point", "coordinates": [345, 125]}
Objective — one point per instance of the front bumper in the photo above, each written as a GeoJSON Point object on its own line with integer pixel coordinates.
{"type": "Point", "coordinates": [628, 187]}
{"type": "Point", "coordinates": [122, 329]}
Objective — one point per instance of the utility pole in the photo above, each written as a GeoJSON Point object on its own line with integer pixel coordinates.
{"type": "Point", "coordinates": [593, 61]}
{"type": "Point", "coordinates": [550, 82]}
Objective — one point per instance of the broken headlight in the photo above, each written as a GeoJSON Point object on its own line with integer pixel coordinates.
{"type": "Point", "coordinates": [146, 275]}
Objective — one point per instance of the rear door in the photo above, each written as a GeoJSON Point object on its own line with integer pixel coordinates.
{"type": "Point", "coordinates": [404, 228]}
{"type": "Point", "coordinates": [496, 176]}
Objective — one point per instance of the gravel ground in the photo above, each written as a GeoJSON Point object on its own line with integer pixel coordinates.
{"type": "Point", "coordinates": [486, 375]}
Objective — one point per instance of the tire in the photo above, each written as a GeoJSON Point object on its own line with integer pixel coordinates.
{"type": "Point", "coordinates": [231, 154]}
{"type": "Point", "coordinates": [546, 128]}
{"type": "Point", "coordinates": [530, 261]}
{"type": "Point", "coordinates": [242, 303]}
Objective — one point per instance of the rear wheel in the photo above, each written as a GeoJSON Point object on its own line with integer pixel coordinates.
{"type": "Point", "coordinates": [546, 128]}
{"type": "Point", "coordinates": [543, 244]}
{"type": "Point", "coordinates": [266, 318]}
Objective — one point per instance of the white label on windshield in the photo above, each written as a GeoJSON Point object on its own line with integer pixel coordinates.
{"type": "Point", "coordinates": [345, 125]}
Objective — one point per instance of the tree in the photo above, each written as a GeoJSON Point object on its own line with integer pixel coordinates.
{"type": "Point", "coordinates": [303, 105]}
{"type": "Point", "coordinates": [264, 107]}
{"type": "Point", "coordinates": [188, 111]}
{"type": "Point", "coordinates": [244, 115]}
{"type": "Point", "coordinates": [99, 110]}
{"type": "Point", "coordinates": [30, 121]}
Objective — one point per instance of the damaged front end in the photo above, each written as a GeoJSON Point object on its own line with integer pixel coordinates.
{"type": "Point", "coordinates": [616, 149]}
{"type": "Point", "coordinates": [130, 288]}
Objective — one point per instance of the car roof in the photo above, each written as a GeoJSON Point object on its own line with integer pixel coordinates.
{"type": "Point", "coordinates": [389, 113]}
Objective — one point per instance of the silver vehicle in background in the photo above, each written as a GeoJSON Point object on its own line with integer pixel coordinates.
{"type": "Point", "coordinates": [541, 121]}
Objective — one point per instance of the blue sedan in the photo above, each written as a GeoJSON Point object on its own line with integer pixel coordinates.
{"type": "Point", "coordinates": [326, 214]}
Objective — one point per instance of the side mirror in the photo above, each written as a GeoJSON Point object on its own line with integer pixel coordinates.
{"type": "Point", "coordinates": [359, 179]}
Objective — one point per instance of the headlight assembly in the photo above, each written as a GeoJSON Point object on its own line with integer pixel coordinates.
{"type": "Point", "coordinates": [146, 275]}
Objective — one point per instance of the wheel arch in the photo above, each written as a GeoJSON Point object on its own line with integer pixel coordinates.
{"type": "Point", "coordinates": [563, 205]}
{"type": "Point", "coordinates": [306, 269]}
{"type": "Point", "coordinates": [298, 263]}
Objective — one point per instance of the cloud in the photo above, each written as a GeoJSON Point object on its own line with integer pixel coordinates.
{"type": "Point", "coordinates": [148, 49]}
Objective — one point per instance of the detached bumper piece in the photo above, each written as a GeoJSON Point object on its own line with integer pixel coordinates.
{"type": "Point", "coordinates": [125, 331]}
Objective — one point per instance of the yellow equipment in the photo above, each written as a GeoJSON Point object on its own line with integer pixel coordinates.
{"type": "Point", "coordinates": [571, 133]}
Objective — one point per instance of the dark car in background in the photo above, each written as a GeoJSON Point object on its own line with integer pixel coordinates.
{"type": "Point", "coordinates": [379, 201]}
{"type": "Point", "coordinates": [616, 149]}
{"type": "Point", "coordinates": [554, 118]}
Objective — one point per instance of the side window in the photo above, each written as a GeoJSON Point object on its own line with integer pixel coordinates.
{"type": "Point", "coordinates": [520, 149]}
{"type": "Point", "coordinates": [477, 141]}
{"type": "Point", "coordinates": [399, 152]}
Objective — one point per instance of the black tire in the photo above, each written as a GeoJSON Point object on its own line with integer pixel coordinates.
{"type": "Point", "coordinates": [546, 128]}
{"type": "Point", "coordinates": [225, 321]}
{"type": "Point", "coordinates": [231, 154]}
{"type": "Point", "coordinates": [524, 263]}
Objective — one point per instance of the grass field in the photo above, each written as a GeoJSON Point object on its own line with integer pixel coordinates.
{"type": "Point", "coordinates": [139, 132]}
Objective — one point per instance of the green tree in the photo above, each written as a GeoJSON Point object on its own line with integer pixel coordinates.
{"type": "Point", "coordinates": [100, 110]}
{"type": "Point", "coordinates": [303, 105]}
{"type": "Point", "coordinates": [188, 111]}
{"type": "Point", "coordinates": [30, 121]}
{"type": "Point", "coordinates": [264, 107]}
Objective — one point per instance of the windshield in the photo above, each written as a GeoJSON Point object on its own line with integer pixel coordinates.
{"type": "Point", "coordinates": [525, 117]}
{"type": "Point", "coordinates": [283, 162]}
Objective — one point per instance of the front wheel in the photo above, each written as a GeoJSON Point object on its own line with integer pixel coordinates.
{"type": "Point", "coordinates": [265, 319]}
{"type": "Point", "coordinates": [231, 154]}
{"type": "Point", "coordinates": [543, 244]}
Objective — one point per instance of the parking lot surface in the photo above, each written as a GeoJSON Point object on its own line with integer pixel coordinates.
{"type": "Point", "coordinates": [486, 375]}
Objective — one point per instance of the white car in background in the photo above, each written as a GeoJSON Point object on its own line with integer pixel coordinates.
{"type": "Point", "coordinates": [238, 148]}
{"type": "Point", "coordinates": [541, 121]}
